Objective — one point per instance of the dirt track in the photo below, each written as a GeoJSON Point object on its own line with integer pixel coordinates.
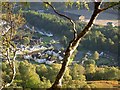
{"type": "Point", "coordinates": [102, 19]}
{"type": "Point", "coordinates": [104, 22]}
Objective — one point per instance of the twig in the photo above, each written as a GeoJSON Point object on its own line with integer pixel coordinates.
{"type": "Point", "coordinates": [110, 6]}
{"type": "Point", "coordinates": [13, 70]}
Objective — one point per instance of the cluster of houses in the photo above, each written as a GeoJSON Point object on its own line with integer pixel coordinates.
{"type": "Point", "coordinates": [101, 54]}
{"type": "Point", "coordinates": [4, 27]}
{"type": "Point", "coordinates": [40, 31]}
{"type": "Point", "coordinates": [39, 57]}
{"type": "Point", "coordinates": [31, 48]}
{"type": "Point", "coordinates": [44, 54]}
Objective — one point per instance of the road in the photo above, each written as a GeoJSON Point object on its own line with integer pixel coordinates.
{"type": "Point", "coordinates": [102, 19]}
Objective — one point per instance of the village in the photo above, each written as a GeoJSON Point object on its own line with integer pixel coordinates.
{"type": "Point", "coordinates": [49, 53]}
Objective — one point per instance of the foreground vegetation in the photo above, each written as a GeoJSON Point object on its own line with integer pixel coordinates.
{"type": "Point", "coordinates": [77, 76]}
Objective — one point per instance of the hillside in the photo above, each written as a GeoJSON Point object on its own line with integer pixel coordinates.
{"type": "Point", "coordinates": [40, 49]}
{"type": "Point", "coordinates": [63, 29]}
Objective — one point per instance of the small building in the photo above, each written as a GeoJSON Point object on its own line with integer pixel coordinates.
{"type": "Point", "coordinates": [40, 11]}
{"type": "Point", "coordinates": [82, 18]}
{"type": "Point", "coordinates": [110, 24]}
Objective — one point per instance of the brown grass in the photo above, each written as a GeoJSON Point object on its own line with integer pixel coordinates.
{"type": "Point", "coordinates": [103, 84]}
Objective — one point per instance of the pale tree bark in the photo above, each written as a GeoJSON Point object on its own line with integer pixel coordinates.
{"type": "Point", "coordinates": [8, 49]}
{"type": "Point", "coordinates": [11, 49]}
{"type": "Point", "coordinates": [13, 68]}
{"type": "Point", "coordinates": [75, 42]}
{"type": "Point", "coordinates": [73, 46]}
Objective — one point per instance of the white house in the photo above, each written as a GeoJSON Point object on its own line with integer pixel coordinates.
{"type": "Point", "coordinates": [60, 58]}
{"type": "Point", "coordinates": [56, 54]}
{"type": "Point", "coordinates": [49, 62]}
{"type": "Point", "coordinates": [40, 60]}
{"type": "Point", "coordinates": [27, 57]}
{"type": "Point", "coordinates": [101, 54]}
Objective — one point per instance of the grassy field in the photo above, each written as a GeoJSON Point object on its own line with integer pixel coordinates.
{"type": "Point", "coordinates": [104, 84]}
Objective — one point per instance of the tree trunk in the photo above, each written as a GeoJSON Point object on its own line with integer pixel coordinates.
{"type": "Point", "coordinates": [72, 47]}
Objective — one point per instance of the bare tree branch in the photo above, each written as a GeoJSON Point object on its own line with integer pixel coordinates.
{"type": "Point", "coordinates": [110, 6]}
{"type": "Point", "coordinates": [72, 22]}
{"type": "Point", "coordinates": [8, 58]}
{"type": "Point", "coordinates": [9, 50]}
{"type": "Point", "coordinates": [13, 68]}
{"type": "Point", "coordinates": [97, 5]}
{"type": "Point", "coordinates": [72, 47]}
{"type": "Point", "coordinates": [11, 63]}
{"type": "Point", "coordinates": [92, 19]}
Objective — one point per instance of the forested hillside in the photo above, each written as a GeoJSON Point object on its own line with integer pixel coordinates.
{"type": "Point", "coordinates": [46, 48]}
{"type": "Point", "coordinates": [101, 38]}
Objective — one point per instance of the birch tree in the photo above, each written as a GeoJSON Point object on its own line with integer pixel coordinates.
{"type": "Point", "coordinates": [98, 8]}
{"type": "Point", "coordinates": [10, 24]}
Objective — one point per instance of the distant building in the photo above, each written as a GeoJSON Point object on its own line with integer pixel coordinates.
{"type": "Point", "coordinates": [82, 18]}
{"type": "Point", "coordinates": [110, 24]}
{"type": "Point", "coordinates": [40, 11]}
